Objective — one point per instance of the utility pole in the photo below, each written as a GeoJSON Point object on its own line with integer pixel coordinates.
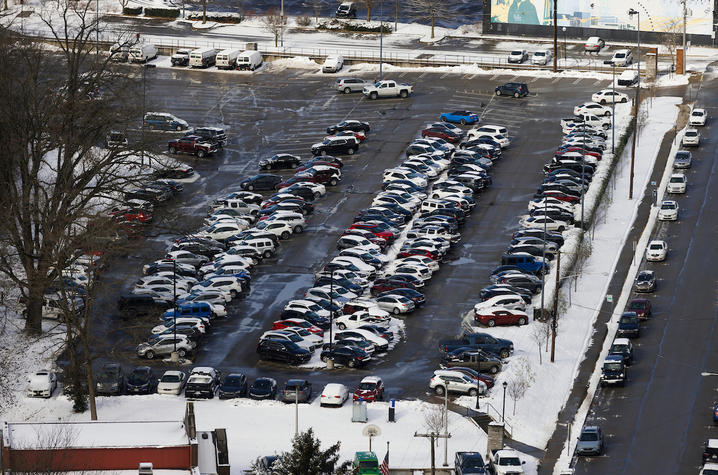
{"type": "Point", "coordinates": [296, 412]}
{"type": "Point", "coordinates": [632, 12]}
{"type": "Point", "coordinates": [433, 436]}
{"type": "Point", "coordinates": [554, 317]}
{"type": "Point", "coordinates": [446, 425]}
{"type": "Point", "coordinates": [396, 14]}
{"type": "Point", "coordinates": [555, 35]}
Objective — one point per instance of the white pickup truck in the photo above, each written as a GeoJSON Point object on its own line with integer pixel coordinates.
{"type": "Point", "coordinates": [387, 88]}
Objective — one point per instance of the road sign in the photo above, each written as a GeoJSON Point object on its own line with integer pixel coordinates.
{"type": "Point", "coordinates": [609, 298]}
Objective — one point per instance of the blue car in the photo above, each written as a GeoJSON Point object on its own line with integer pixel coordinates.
{"type": "Point", "coordinates": [715, 414]}
{"type": "Point", "coordinates": [460, 117]}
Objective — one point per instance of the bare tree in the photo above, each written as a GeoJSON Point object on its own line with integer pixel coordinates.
{"type": "Point", "coordinates": [316, 6]}
{"type": "Point", "coordinates": [272, 22]}
{"type": "Point", "coordinates": [539, 334]}
{"type": "Point", "coordinates": [434, 418]}
{"type": "Point", "coordinates": [55, 176]}
{"type": "Point", "coordinates": [520, 380]}
{"type": "Point", "coordinates": [428, 10]}
{"type": "Point", "coordinates": [368, 4]}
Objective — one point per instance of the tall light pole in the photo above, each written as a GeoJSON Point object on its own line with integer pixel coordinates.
{"type": "Point", "coordinates": [613, 111]}
{"type": "Point", "coordinates": [564, 45]}
{"type": "Point", "coordinates": [685, 14]}
{"type": "Point", "coordinates": [555, 35]}
{"type": "Point", "coordinates": [446, 425]}
{"type": "Point", "coordinates": [174, 306]}
{"type": "Point", "coordinates": [381, 39]}
{"type": "Point", "coordinates": [632, 12]}
{"type": "Point", "coordinates": [543, 253]}
{"type": "Point", "coordinates": [503, 405]}
{"type": "Point", "coordinates": [281, 33]}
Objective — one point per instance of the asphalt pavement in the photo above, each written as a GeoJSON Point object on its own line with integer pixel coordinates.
{"type": "Point", "coordinates": [660, 420]}
{"type": "Point", "coordinates": [287, 112]}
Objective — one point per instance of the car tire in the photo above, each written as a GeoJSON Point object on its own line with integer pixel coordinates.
{"type": "Point", "coordinates": [250, 187]}
{"type": "Point", "coordinates": [373, 95]}
{"type": "Point", "coordinates": [472, 392]}
{"type": "Point", "coordinates": [504, 353]}
{"type": "Point", "coordinates": [267, 254]}
{"type": "Point", "coordinates": [439, 390]}
{"type": "Point", "coordinates": [200, 154]}
{"type": "Point", "coordinates": [351, 363]}
{"type": "Point", "coordinates": [181, 353]}
{"type": "Point", "coordinates": [178, 128]}
{"type": "Point", "coordinates": [173, 150]}
{"type": "Point", "coordinates": [516, 95]}
{"type": "Point", "coordinates": [522, 321]}
{"type": "Point", "coordinates": [132, 312]}
{"type": "Point", "coordinates": [350, 151]}
{"type": "Point", "coordinates": [323, 358]}
{"type": "Point", "coordinates": [233, 293]}
{"type": "Point", "coordinates": [333, 182]}
{"type": "Point", "coordinates": [404, 93]}
{"type": "Point", "coordinates": [491, 323]}
{"type": "Point", "coordinates": [607, 114]}
{"type": "Point", "coordinates": [624, 100]}
{"type": "Point", "coordinates": [285, 235]}
{"type": "Point", "coordinates": [323, 152]}
{"type": "Point", "coordinates": [293, 166]}
{"type": "Point", "coordinates": [606, 126]}
{"type": "Point", "coordinates": [498, 93]}
{"type": "Point", "coordinates": [347, 90]}
{"type": "Point", "coordinates": [341, 326]}
{"type": "Point", "coordinates": [603, 102]}
{"type": "Point", "coordinates": [317, 195]}
{"type": "Point", "coordinates": [494, 369]}
{"type": "Point", "coordinates": [396, 311]}
{"type": "Point", "coordinates": [444, 119]}
{"type": "Point", "coordinates": [463, 121]}
{"type": "Point", "coordinates": [298, 229]}
{"type": "Point", "coordinates": [150, 354]}
{"type": "Point", "coordinates": [561, 229]}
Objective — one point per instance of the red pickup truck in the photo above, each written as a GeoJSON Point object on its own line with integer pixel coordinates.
{"type": "Point", "coordinates": [192, 144]}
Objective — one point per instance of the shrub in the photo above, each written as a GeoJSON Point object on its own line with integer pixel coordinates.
{"type": "Point", "coordinates": [162, 12]}
{"type": "Point", "coordinates": [219, 17]}
{"type": "Point", "coordinates": [132, 10]}
{"type": "Point", "coordinates": [304, 21]}
{"type": "Point", "coordinates": [354, 26]}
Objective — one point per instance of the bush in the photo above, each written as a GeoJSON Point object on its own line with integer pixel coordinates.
{"type": "Point", "coordinates": [162, 12]}
{"type": "Point", "coordinates": [132, 10]}
{"type": "Point", "coordinates": [354, 26]}
{"type": "Point", "coordinates": [304, 20]}
{"type": "Point", "coordinates": [219, 17]}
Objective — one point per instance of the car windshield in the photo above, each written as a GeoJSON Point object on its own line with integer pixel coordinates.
{"type": "Point", "coordinates": [472, 462]}
{"type": "Point", "coordinates": [620, 55]}
{"type": "Point", "coordinates": [262, 384]}
{"type": "Point", "coordinates": [667, 206]}
{"type": "Point", "coordinates": [677, 179]}
{"type": "Point", "coordinates": [589, 437]}
{"type": "Point", "coordinates": [512, 461]}
{"type": "Point", "coordinates": [691, 134]}
{"type": "Point", "coordinates": [682, 156]}
{"type": "Point", "coordinates": [367, 386]}
{"type": "Point", "coordinates": [697, 114]}
{"type": "Point", "coordinates": [636, 306]}
{"type": "Point", "coordinates": [656, 247]}
{"type": "Point", "coordinates": [233, 380]}
{"type": "Point", "coordinates": [516, 53]}
{"type": "Point", "coordinates": [619, 349]}
{"type": "Point", "coordinates": [137, 378]}
{"type": "Point", "coordinates": [612, 366]}
{"type": "Point", "coordinates": [629, 320]}
{"type": "Point", "coordinates": [539, 53]}
{"type": "Point", "coordinates": [170, 378]}
{"type": "Point", "coordinates": [110, 373]}
{"type": "Point", "coordinates": [644, 277]}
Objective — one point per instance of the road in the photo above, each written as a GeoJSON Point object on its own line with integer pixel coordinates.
{"type": "Point", "coordinates": [287, 112]}
{"type": "Point", "coordinates": [659, 422]}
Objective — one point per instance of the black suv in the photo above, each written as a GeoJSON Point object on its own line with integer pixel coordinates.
{"type": "Point", "coordinates": [281, 350]}
{"type": "Point", "coordinates": [260, 182]}
{"type": "Point", "coordinates": [141, 304]}
{"type": "Point", "coordinates": [153, 195]}
{"type": "Point", "coordinates": [141, 381]}
{"type": "Point", "coordinates": [280, 161]}
{"type": "Point", "coordinates": [516, 89]}
{"type": "Point", "coordinates": [234, 385]}
{"type": "Point", "coordinates": [111, 380]}
{"type": "Point", "coordinates": [346, 356]}
{"type": "Point", "coordinates": [211, 134]}
{"type": "Point", "coordinates": [338, 145]}
{"type": "Point", "coordinates": [469, 462]}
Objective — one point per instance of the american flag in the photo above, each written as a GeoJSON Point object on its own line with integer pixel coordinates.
{"type": "Point", "coordinates": [384, 469]}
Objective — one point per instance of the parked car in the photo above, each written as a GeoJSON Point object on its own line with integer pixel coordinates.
{"type": "Point", "coordinates": [263, 388]}
{"type": "Point", "coordinates": [477, 360]}
{"type": "Point", "coordinates": [202, 382]}
{"type": "Point", "coordinates": [493, 316]}
{"type": "Point", "coordinates": [299, 390]}
{"type": "Point", "coordinates": [111, 380]}
{"type": "Point", "coordinates": [518, 56]}
{"type": "Point", "coordinates": [594, 44]}
{"type": "Point", "coordinates": [349, 85]}
{"type": "Point", "coordinates": [609, 96]}
{"type": "Point", "coordinates": [164, 121]}
{"type": "Point", "coordinates": [629, 325]}
{"type": "Point", "coordinates": [668, 211]}
{"type": "Point", "coordinates": [622, 57]}
{"type": "Point", "coordinates": [677, 183]}
{"type": "Point", "coordinates": [280, 161]}
{"type": "Point", "coordinates": [333, 63]}
{"type": "Point", "coordinates": [682, 159]}
{"type": "Point", "coordinates": [346, 10]}
{"type": "Point", "coordinates": [656, 251]}
{"type": "Point", "coordinates": [141, 381]}
{"type": "Point", "coordinates": [698, 117]}
{"type": "Point", "coordinates": [41, 384]}
{"type": "Point", "coordinates": [542, 57]}
{"type": "Point", "coordinates": [371, 388]}
{"type": "Point", "coordinates": [260, 182]}
{"type": "Point", "coordinates": [334, 394]}
{"type": "Point", "coordinates": [335, 146]}
{"type": "Point", "coordinates": [642, 308]}
{"type": "Point", "coordinates": [622, 347]}
{"type": "Point", "coordinates": [346, 356]}
{"type": "Point", "coordinates": [462, 117]}
{"type": "Point", "coordinates": [691, 138]}
{"type": "Point", "coordinates": [349, 124]}
{"type": "Point", "coordinates": [452, 381]}
{"type": "Point", "coordinates": [172, 382]}
{"type": "Point", "coordinates": [234, 385]}
{"type": "Point", "coordinates": [165, 344]}
{"type": "Point", "coordinates": [646, 281]}
{"type": "Point", "coordinates": [590, 441]}
{"type": "Point", "coordinates": [516, 89]}
{"type": "Point", "coordinates": [466, 463]}
{"type": "Point", "coordinates": [282, 350]}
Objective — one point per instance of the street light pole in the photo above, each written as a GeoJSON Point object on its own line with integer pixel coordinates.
{"type": "Point", "coordinates": [446, 425]}
{"type": "Point", "coordinates": [632, 12]}
{"type": "Point", "coordinates": [174, 305]}
{"type": "Point", "coordinates": [281, 33]}
{"type": "Point", "coordinates": [543, 253]}
{"type": "Point", "coordinates": [555, 35]}
{"type": "Point", "coordinates": [613, 112]}
{"type": "Point", "coordinates": [478, 390]}
{"type": "Point", "coordinates": [685, 14]}
{"type": "Point", "coordinates": [381, 39]}
{"type": "Point", "coordinates": [503, 405]}
{"type": "Point", "coordinates": [564, 46]}
{"type": "Point", "coordinates": [296, 411]}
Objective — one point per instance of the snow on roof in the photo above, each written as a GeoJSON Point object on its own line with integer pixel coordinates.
{"type": "Point", "coordinates": [32, 435]}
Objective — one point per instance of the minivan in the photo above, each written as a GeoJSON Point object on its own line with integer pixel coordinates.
{"type": "Point", "coordinates": [249, 60]}
{"type": "Point", "coordinates": [227, 59]}
{"type": "Point", "coordinates": [142, 53]}
{"type": "Point", "coordinates": [349, 85]}
{"type": "Point", "coordinates": [164, 121]}
{"type": "Point", "coordinates": [202, 58]}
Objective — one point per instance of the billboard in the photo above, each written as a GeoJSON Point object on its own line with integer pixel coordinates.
{"type": "Point", "coordinates": [656, 15]}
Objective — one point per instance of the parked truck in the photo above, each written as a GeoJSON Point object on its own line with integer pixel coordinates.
{"type": "Point", "coordinates": [387, 88]}
{"type": "Point", "coordinates": [192, 144]}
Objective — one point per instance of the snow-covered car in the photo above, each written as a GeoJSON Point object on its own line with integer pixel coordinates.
{"type": "Point", "coordinates": [380, 344]}
{"type": "Point", "coordinates": [511, 302]}
{"type": "Point", "coordinates": [594, 44]}
{"type": "Point", "coordinates": [295, 220]}
{"type": "Point", "coordinates": [692, 137]}
{"type": "Point", "coordinates": [608, 96]}
{"type": "Point", "coordinates": [289, 336]}
{"type": "Point", "coordinates": [591, 108]}
{"type": "Point", "coordinates": [224, 229]}
{"type": "Point", "coordinates": [541, 57]}
{"type": "Point", "coordinates": [153, 280]}
{"type": "Point", "coordinates": [629, 77]}
{"type": "Point", "coordinates": [668, 211]}
{"type": "Point", "coordinates": [333, 63]}
{"type": "Point", "coordinates": [428, 261]}
{"type": "Point", "coordinates": [41, 384]}
{"type": "Point", "coordinates": [334, 394]}
{"type": "Point", "coordinates": [356, 319]}
{"type": "Point", "coordinates": [304, 306]}
{"type": "Point", "coordinates": [518, 56]}
{"type": "Point", "coordinates": [226, 283]}
{"type": "Point", "coordinates": [656, 251]}
{"type": "Point", "coordinates": [500, 138]}
{"type": "Point", "coordinates": [698, 117]}
{"type": "Point", "coordinates": [172, 382]}
{"type": "Point", "coordinates": [677, 183]}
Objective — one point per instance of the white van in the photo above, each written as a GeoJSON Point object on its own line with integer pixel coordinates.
{"type": "Point", "coordinates": [249, 60]}
{"type": "Point", "coordinates": [227, 59]}
{"type": "Point", "coordinates": [202, 58]}
{"type": "Point", "coordinates": [142, 53]}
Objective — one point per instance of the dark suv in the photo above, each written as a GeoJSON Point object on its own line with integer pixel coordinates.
{"type": "Point", "coordinates": [141, 381]}
{"type": "Point", "coordinates": [261, 182]}
{"type": "Point", "coordinates": [280, 161]}
{"type": "Point", "coordinates": [346, 356]}
{"type": "Point", "coordinates": [336, 145]}
{"type": "Point", "coordinates": [212, 134]}
{"type": "Point", "coordinates": [141, 304]}
{"type": "Point", "coordinates": [469, 462]}
{"type": "Point", "coordinates": [516, 89]}
{"type": "Point", "coordinates": [280, 350]}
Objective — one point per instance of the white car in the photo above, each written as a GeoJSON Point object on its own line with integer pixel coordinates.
{"type": "Point", "coordinates": [223, 230]}
{"type": "Point", "coordinates": [501, 139]}
{"type": "Point", "coordinates": [41, 384]}
{"type": "Point", "coordinates": [419, 271]}
{"type": "Point", "coordinates": [303, 305]}
{"type": "Point", "coordinates": [594, 44]}
{"type": "Point", "coordinates": [668, 211]}
{"type": "Point", "coordinates": [380, 344]}
{"type": "Point", "coordinates": [355, 320]}
{"type": "Point", "coordinates": [455, 382]}
{"type": "Point", "coordinates": [511, 302]}
{"type": "Point", "coordinates": [677, 183]}
{"type": "Point", "coordinates": [355, 262]}
{"type": "Point", "coordinates": [608, 96]}
{"type": "Point", "coordinates": [492, 129]}
{"type": "Point", "coordinates": [592, 108]}
{"type": "Point", "coordinates": [506, 462]}
{"type": "Point", "coordinates": [295, 220]}
{"type": "Point", "coordinates": [550, 202]}
{"type": "Point", "coordinates": [334, 394]}
{"type": "Point", "coordinates": [698, 117]}
{"type": "Point", "coordinates": [333, 63]}
{"type": "Point", "coordinates": [395, 304]}
{"type": "Point", "coordinates": [289, 336]}
{"type": "Point", "coordinates": [691, 137]}
{"type": "Point", "coordinates": [656, 251]}
{"type": "Point", "coordinates": [539, 222]}
{"type": "Point", "coordinates": [216, 218]}
{"type": "Point", "coordinates": [394, 174]}
{"type": "Point", "coordinates": [428, 261]}
{"type": "Point", "coordinates": [281, 229]}
{"type": "Point", "coordinates": [542, 57]}
{"type": "Point", "coordinates": [224, 283]}
{"type": "Point", "coordinates": [323, 293]}
{"type": "Point", "coordinates": [195, 322]}
{"type": "Point", "coordinates": [226, 260]}
{"type": "Point", "coordinates": [306, 335]}
{"type": "Point", "coordinates": [165, 292]}
{"type": "Point", "coordinates": [165, 281]}
{"type": "Point", "coordinates": [172, 382]}
{"type": "Point", "coordinates": [518, 56]}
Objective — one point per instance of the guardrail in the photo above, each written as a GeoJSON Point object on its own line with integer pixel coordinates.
{"type": "Point", "coordinates": [489, 408]}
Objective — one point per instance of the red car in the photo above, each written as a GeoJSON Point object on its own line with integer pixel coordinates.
{"type": "Point", "coordinates": [561, 196]}
{"type": "Point", "coordinates": [500, 316]}
{"type": "Point", "coordinates": [441, 133]}
{"type": "Point", "coordinates": [318, 162]}
{"type": "Point", "coordinates": [642, 307]}
{"type": "Point", "coordinates": [370, 389]}
{"type": "Point", "coordinates": [360, 136]}
{"type": "Point", "coordinates": [131, 216]}
{"type": "Point", "coordinates": [388, 285]}
{"type": "Point", "coordinates": [419, 252]}
{"type": "Point", "coordinates": [580, 150]}
{"type": "Point", "coordinates": [297, 322]}
{"type": "Point", "coordinates": [375, 229]}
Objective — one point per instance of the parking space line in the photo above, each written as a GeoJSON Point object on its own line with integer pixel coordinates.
{"type": "Point", "coordinates": [402, 74]}
{"type": "Point", "coordinates": [577, 81]}
{"type": "Point", "coordinates": [444, 75]}
{"type": "Point", "coordinates": [423, 74]}
{"type": "Point", "coordinates": [495, 76]}
{"type": "Point", "coordinates": [555, 80]}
